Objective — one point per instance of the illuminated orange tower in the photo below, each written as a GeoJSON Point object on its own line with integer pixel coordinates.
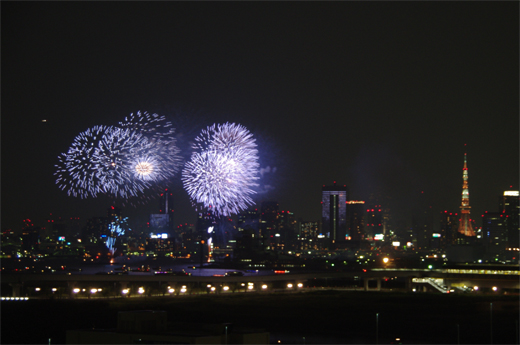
{"type": "Point", "coordinates": [465, 226]}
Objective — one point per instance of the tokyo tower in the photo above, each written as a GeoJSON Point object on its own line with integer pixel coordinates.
{"type": "Point", "coordinates": [465, 226]}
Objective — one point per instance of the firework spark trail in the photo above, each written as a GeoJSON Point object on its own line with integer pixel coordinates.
{"type": "Point", "coordinates": [222, 169]}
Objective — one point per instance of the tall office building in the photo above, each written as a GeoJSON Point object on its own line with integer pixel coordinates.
{"type": "Point", "coordinates": [309, 237]}
{"type": "Point", "coordinates": [356, 215]}
{"type": "Point", "coordinates": [449, 222]}
{"type": "Point", "coordinates": [287, 228]}
{"type": "Point", "coordinates": [510, 207]}
{"type": "Point", "coordinates": [465, 226]}
{"type": "Point", "coordinates": [166, 207]}
{"type": "Point", "coordinates": [494, 228]}
{"type": "Point", "coordinates": [162, 222]}
{"type": "Point", "coordinates": [422, 221]}
{"type": "Point", "coordinates": [249, 219]}
{"type": "Point", "coordinates": [334, 211]}
{"type": "Point", "coordinates": [374, 221]}
{"type": "Point", "coordinates": [30, 239]}
{"type": "Point", "coordinates": [308, 229]}
{"type": "Point", "coordinates": [268, 219]}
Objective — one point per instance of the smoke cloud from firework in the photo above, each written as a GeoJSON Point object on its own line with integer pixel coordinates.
{"type": "Point", "coordinates": [223, 169]}
{"type": "Point", "coordinates": [122, 161]}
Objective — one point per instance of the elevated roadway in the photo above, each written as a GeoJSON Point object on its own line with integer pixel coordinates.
{"type": "Point", "coordinates": [506, 278]}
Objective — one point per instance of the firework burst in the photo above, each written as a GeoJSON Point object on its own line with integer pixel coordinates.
{"type": "Point", "coordinates": [164, 161]}
{"type": "Point", "coordinates": [222, 169]}
{"type": "Point", "coordinates": [119, 162]}
{"type": "Point", "coordinates": [76, 171]}
{"type": "Point", "coordinates": [116, 150]}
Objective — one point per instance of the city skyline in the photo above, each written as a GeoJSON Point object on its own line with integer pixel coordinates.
{"type": "Point", "coordinates": [381, 98]}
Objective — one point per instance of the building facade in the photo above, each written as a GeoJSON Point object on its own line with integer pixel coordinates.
{"type": "Point", "coordinates": [509, 205]}
{"type": "Point", "coordinates": [334, 211]}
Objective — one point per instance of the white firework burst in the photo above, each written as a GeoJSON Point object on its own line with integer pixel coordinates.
{"type": "Point", "coordinates": [116, 151]}
{"type": "Point", "coordinates": [76, 171]}
{"type": "Point", "coordinates": [222, 169]}
{"type": "Point", "coordinates": [122, 161]}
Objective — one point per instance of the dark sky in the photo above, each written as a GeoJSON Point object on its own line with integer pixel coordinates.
{"type": "Point", "coordinates": [380, 96]}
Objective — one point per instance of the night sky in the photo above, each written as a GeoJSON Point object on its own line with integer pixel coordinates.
{"type": "Point", "coordinates": [380, 96]}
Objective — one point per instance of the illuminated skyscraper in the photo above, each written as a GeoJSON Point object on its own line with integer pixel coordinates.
{"type": "Point", "coordinates": [163, 221]}
{"type": "Point", "coordinates": [509, 206]}
{"type": "Point", "coordinates": [465, 226]}
{"type": "Point", "coordinates": [334, 211]}
{"type": "Point", "coordinates": [494, 227]}
{"type": "Point", "coordinates": [307, 235]}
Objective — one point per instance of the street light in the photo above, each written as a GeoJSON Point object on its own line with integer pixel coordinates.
{"type": "Point", "coordinates": [491, 323]}
{"type": "Point", "coordinates": [377, 328]}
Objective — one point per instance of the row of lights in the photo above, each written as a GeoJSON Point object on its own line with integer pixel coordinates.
{"type": "Point", "coordinates": [15, 298]}
{"type": "Point", "coordinates": [250, 286]}
{"type": "Point", "coordinates": [76, 290]}
{"type": "Point", "coordinates": [213, 288]}
{"type": "Point", "coordinates": [475, 288]}
{"type": "Point", "coordinates": [290, 286]}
